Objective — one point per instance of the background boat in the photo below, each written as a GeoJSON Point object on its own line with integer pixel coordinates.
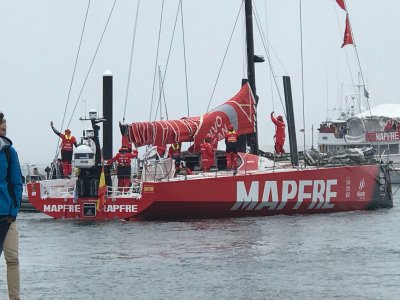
{"type": "Point", "coordinates": [367, 129]}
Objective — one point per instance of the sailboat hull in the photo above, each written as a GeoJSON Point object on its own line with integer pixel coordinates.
{"type": "Point", "coordinates": [267, 193]}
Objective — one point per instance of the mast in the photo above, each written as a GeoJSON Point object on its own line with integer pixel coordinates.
{"type": "Point", "coordinates": [252, 138]}
{"type": "Point", "coordinates": [107, 128]}
{"type": "Point", "coordinates": [108, 115]}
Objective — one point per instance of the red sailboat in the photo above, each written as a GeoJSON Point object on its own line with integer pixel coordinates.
{"type": "Point", "coordinates": [261, 187]}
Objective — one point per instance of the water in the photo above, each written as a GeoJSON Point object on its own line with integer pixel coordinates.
{"type": "Point", "coordinates": [352, 255]}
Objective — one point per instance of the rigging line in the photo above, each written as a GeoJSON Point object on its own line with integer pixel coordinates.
{"type": "Point", "coordinates": [73, 73]}
{"type": "Point", "coordinates": [244, 62]}
{"type": "Point", "coordinates": [358, 58]}
{"type": "Point", "coordinates": [160, 93]}
{"type": "Point", "coordinates": [184, 58]}
{"type": "Point", "coordinates": [158, 102]}
{"type": "Point", "coordinates": [223, 60]}
{"type": "Point", "coordinates": [302, 76]}
{"type": "Point", "coordinates": [76, 62]}
{"type": "Point", "coordinates": [348, 62]}
{"type": "Point", "coordinates": [162, 96]}
{"type": "Point", "coordinates": [345, 52]}
{"type": "Point", "coordinates": [268, 56]}
{"type": "Point", "coordinates": [91, 64]}
{"type": "Point", "coordinates": [268, 45]}
{"type": "Point", "coordinates": [130, 60]}
{"type": "Point", "coordinates": [360, 72]}
{"type": "Point", "coordinates": [156, 63]}
{"type": "Point", "coordinates": [169, 52]}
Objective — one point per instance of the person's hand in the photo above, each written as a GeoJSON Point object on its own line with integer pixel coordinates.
{"type": "Point", "coordinates": [272, 113]}
{"type": "Point", "coordinates": [51, 123]}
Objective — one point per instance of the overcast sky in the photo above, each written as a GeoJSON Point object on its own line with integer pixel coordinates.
{"type": "Point", "coordinates": [39, 44]}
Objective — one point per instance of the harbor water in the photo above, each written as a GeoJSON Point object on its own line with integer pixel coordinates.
{"type": "Point", "coordinates": [352, 255]}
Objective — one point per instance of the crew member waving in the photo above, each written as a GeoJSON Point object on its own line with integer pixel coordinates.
{"type": "Point", "coordinates": [279, 133]}
{"type": "Point", "coordinates": [67, 147]}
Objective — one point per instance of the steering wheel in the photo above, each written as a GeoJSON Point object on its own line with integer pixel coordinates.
{"type": "Point", "coordinates": [153, 159]}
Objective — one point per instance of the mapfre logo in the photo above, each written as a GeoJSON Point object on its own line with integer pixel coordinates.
{"type": "Point", "coordinates": [361, 187]}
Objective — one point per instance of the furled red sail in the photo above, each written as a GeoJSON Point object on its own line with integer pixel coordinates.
{"type": "Point", "coordinates": [238, 111]}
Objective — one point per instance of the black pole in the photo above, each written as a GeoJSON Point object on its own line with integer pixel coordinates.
{"type": "Point", "coordinates": [107, 127]}
{"type": "Point", "coordinates": [294, 155]}
{"type": "Point", "coordinates": [252, 139]}
{"type": "Point", "coordinates": [108, 115]}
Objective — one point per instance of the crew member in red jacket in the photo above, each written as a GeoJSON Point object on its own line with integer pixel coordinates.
{"type": "Point", "coordinates": [231, 142]}
{"type": "Point", "coordinates": [279, 133]}
{"type": "Point", "coordinates": [123, 159]}
{"type": "Point", "coordinates": [207, 154]}
{"type": "Point", "coordinates": [67, 147]}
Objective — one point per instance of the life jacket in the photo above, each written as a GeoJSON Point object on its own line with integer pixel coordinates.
{"type": "Point", "coordinates": [231, 136]}
{"type": "Point", "coordinates": [68, 142]}
{"type": "Point", "coordinates": [175, 150]}
{"type": "Point", "coordinates": [124, 159]}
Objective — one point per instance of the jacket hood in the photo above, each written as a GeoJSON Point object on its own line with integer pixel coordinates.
{"type": "Point", "coordinates": [4, 143]}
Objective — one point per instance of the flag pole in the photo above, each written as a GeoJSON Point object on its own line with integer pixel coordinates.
{"type": "Point", "coordinates": [356, 50]}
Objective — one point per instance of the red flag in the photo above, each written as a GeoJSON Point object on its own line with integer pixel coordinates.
{"type": "Point", "coordinates": [341, 4]}
{"type": "Point", "coordinates": [102, 191]}
{"type": "Point", "coordinates": [348, 38]}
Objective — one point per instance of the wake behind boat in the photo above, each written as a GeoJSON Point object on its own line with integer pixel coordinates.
{"type": "Point", "coordinates": [259, 186]}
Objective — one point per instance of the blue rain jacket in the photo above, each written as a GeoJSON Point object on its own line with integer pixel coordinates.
{"type": "Point", "coordinates": [9, 207]}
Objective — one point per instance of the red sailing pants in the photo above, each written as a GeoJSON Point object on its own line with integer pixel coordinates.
{"type": "Point", "coordinates": [231, 160]}
{"type": "Point", "coordinates": [66, 157]}
{"type": "Point", "coordinates": [279, 147]}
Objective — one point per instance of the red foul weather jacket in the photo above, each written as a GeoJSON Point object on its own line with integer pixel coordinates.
{"type": "Point", "coordinates": [280, 130]}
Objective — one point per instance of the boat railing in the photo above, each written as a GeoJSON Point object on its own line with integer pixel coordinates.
{"type": "Point", "coordinates": [134, 189]}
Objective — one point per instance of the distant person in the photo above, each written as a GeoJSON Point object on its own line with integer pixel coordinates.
{"type": "Point", "coordinates": [67, 147]}
{"type": "Point", "coordinates": [279, 134]}
{"type": "Point", "coordinates": [231, 142]}
{"type": "Point", "coordinates": [388, 126]}
{"type": "Point", "coordinates": [207, 154]}
{"type": "Point", "coordinates": [10, 201]}
{"type": "Point", "coordinates": [123, 159]}
{"type": "Point", "coordinates": [394, 126]}
{"type": "Point", "coordinates": [36, 171]}
{"type": "Point", "coordinates": [47, 170]}
{"type": "Point", "coordinates": [342, 131]}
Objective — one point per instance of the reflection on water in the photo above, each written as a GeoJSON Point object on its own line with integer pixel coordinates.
{"type": "Point", "coordinates": [345, 255]}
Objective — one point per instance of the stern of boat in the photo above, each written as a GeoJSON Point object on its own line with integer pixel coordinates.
{"type": "Point", "coordinates": [382, 196]}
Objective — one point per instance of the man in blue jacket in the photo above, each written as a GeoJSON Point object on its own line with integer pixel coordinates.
{"type": "Point", "coordinates": [10, 185]}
